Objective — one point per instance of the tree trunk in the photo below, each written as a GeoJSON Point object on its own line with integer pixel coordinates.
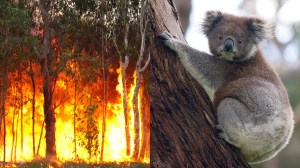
{"type": "Point", "coordinates": [31, 74]}
{"type": "Point", "coordinates": [126, 118]}
{"type": "Point", "coordinates": [13, 134]}
{"type": "Point", "coordinates": [182, 116]}
{"type": "Point", "coordinates": [22, 117]}
{"type": "Point", "coordinates": [143, 123]}
{"type": "Point", "coordinates": [49, 120]}
{"type": "Point", "coordinates": [104, 103]}
{"type": "Point", "coordinates": [46, 62]}
{"type": "Point", "coordinates": [74, 120]}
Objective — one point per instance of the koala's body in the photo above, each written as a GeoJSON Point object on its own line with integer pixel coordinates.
{"type": "Point", "coordinates": [252, 105]}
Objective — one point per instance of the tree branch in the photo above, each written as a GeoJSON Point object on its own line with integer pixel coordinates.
{"type": "Point", "coordinates": [146, 64]}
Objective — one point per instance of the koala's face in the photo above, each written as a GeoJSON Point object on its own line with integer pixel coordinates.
{"type": "Point", "coordinates": [233, 38]}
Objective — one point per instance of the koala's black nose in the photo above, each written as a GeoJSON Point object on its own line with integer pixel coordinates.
{"type": "Point", "coordinates": [228, 44]}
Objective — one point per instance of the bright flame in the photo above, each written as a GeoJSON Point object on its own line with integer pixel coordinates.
{"type": "Point", "coordinates": [84, 106]}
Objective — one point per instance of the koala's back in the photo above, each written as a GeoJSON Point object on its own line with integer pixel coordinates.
{"type": "Point", "coordinates": [258, 107]}
{"type": "Point", "coordinates": [259, 95]}
{"type": "Point", "coordinates": [254, 82]}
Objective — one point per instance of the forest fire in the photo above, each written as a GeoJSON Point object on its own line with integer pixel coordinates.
{"type": "Point", "coordinates": [79, 121]}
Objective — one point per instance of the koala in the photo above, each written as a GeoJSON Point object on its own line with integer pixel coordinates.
{"type": "Point", "coordinates": [252, 105]}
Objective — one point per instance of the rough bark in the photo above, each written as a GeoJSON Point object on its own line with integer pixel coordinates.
{"type": "Point", "coordinates": [182, 116]}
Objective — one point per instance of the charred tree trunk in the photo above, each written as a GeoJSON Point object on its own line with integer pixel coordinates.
{"type": "Point", "coordinates": [46, 62]}
{"type": "Point", "coordinates": [13, 134]}
{"type": "Point", "coordinates": [31, 74]}
{"type": "Point", "coordinates": [74, 119]}
{"type": "Point", "coordinates": [182, 116]}
{"type": "Point", "coordinates": [39, 143]}
{"type": "Point", "coordinates": [49, 118]}
{"type": "Point", "coordinates": [22, 117]}
{"type": "Point", "coordinates": [104, 106]}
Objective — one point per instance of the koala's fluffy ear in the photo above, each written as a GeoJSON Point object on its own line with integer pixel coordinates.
{"type": "Point", "coordinates": [260, 29]}
{"type": "Point", "coordinates": [212, 18]}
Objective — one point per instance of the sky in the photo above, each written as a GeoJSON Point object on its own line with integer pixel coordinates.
{"type": "Point", "coordinates": [288, 15]}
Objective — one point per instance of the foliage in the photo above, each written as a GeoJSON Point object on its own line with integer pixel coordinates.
{"type": "Point", "coordinates": [89, 127]}
{"type": "Point", "coordinates": [15, 38]}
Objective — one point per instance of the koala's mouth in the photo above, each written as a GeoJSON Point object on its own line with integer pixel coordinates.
{"type": "Point", "coordinates": [228, 55]}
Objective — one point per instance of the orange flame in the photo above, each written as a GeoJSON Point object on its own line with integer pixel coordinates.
{"type": "Point", "coordinates": [68, 106]}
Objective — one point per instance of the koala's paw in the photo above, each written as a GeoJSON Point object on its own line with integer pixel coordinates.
{"type": "Point", "coordinates": [222, 135]}
{"type": "Point", "coordinates": [168, 40]}
{"type": "Point", "coordinates": [219, 131]}
{"type": "Point", "coordinates": [219, 128]}
{"type": "Point", "coordinates": [166, 36]}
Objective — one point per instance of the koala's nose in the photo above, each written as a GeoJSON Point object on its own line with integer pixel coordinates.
{"type": "Point", "coordinates": [228, 44]}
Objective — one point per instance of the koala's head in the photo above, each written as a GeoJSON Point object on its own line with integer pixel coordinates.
{"type": "Point", "coordinates": [234, 38]}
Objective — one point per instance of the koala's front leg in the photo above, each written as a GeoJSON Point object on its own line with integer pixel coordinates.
{"type": "Point", "coordinates": [170, 41]}
{"type": "Point", "coordinates": [202, 66]}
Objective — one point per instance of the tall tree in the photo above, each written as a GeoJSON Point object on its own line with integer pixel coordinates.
{"type": "Point", "coordinates": [46, 59]}
{"type": "Point", "coordinates": [182, 116]}
{"type": "Point", "coordinates": [143, 25]}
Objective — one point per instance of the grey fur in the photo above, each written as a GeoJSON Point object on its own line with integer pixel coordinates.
{"type": "Point", "coordinates": [252, 106]}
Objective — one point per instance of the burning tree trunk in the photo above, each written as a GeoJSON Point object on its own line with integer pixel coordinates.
{"type": "Point", "coordinates": [123, 69]}
{"type": "Point", "coordinates": [22, 136]}
{"type": "Point", "coordinates": [13, 133]}
{"type": "Point", "coordinates": [74, 119]}
{"type": "Point", "coordinates": [46, 62]}
{"type": "Point", "coordinates": [104, 99]}
{"type": "Point", "coordinates": [139, 70]}
{"type": "Point", "coordinates": [182, 117]}
{"type": "Point", "coordinates": [103, 118]}
{"type": "Point", "coordinates": [127, 131]}
{"type": "Point", "coordinates": [31, 74]}
{"type": "Point", "coordinates": [143, 117]}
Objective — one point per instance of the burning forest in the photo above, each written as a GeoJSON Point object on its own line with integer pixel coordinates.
{"type": "Point", "coordinates": [74, 86]}
{"type": "Point", "coordinates": [80, 117]}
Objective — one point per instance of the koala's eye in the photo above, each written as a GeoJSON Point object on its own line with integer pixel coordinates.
{"type": "Point", "coordinates": [240, 41]}
{"type": "Point", "coordinates": [220, 38]}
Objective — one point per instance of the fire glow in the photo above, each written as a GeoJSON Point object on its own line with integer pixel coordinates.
{"type": "Point", "coordinates": [71, 109]}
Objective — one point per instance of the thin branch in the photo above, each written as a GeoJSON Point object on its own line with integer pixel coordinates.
{"type": "Point", "coordinates": [126, 36]}
{"type": "Point", "coordinates": [115, 43]}
{"type": "Point", "coordinates": [125, 63]}
{"type": "Point", "coordinates": [146, 64]}
{"type": "Point", "coordinates": [60, 102]}
{"type": "Point", "coordinates": [37, 53]}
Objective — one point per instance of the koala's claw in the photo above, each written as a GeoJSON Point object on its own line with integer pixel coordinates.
{"type": "Point", "coordinates": [164, 36]}
{"type": "Point", "coordinates": [219, 128]}
{"type": "Point", "coordinates": [219, 131]}
{"type": "Point", "coordinates": [221, 135]}
{"type": "Point", "coordinates": [169, 41]}
{"type": "Point", "coordinates": [175, 37]}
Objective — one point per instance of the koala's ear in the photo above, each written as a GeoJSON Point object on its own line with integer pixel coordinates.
{"type": "Point", "coordinates": [259, 28]}
{"type": "Point", "coordinates": [212, 18]}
